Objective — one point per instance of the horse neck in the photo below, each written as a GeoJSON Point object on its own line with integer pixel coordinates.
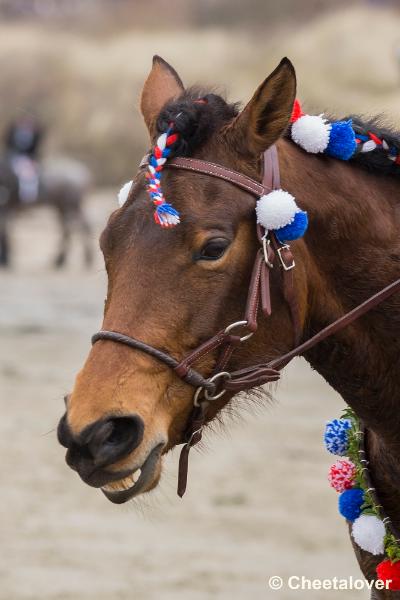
{"type": "Point", "coordinates": [352, 250]}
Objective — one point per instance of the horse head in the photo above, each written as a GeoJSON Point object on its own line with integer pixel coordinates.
{"type": "Point", "coordinates": [174, 287]}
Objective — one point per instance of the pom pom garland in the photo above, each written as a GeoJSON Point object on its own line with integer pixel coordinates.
{"type": "Point", "coordinates": [369, 532]}
{"type": "Point", "coordinates": [389, 572]}
{"type": "Point", "coordinates": [350, 502]}
{"type": "Point", "coordinates": [124, 193]}
{"type": "Point", "coordinates": [341, 475]}
{"type": "Point", "coordinates": [335, 437]}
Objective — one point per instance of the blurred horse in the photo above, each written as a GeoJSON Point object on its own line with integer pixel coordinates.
{"type": "Point", "coordinates": [63, 183]}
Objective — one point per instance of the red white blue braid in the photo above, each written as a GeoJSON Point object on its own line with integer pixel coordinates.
{"type": "Point", "coordinates": [165, 214]}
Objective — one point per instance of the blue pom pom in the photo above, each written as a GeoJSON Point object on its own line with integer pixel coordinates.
{"type": "Point", "coordinates": [342, 140]}
{"type": "Point", "coordinates": [294, 230]}
{"type": "Point", "coordinates": [350, 502]}
{"type": "Point", "coordinates": [335, 437]}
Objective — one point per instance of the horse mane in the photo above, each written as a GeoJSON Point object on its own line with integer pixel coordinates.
{"type": "Point", "coordinates": [376, 160]}
{"type": "Point", "coordinates": [198, 113]}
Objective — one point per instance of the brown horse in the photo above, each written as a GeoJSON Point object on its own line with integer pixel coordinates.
{"type": "Point", "coordinates": [177, 287]}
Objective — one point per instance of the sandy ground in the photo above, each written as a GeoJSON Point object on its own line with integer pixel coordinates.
{"type": "Point", "coordinates": [258, 502]}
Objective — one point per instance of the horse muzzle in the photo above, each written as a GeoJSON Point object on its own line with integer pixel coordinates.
{"type": "Point", "coordinates": [100, 446]}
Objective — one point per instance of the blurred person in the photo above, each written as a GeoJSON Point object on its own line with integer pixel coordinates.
{"type": "Point", "coordinates": [23, 139]}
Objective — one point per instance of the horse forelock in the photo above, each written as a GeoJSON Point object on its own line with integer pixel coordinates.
{"type": "Point", "coordinates": [196, 115]}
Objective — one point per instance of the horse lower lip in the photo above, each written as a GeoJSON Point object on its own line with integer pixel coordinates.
{"type": "Point", "coordinates": [147, 470]}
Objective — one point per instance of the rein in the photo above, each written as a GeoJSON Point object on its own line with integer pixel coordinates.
{"type": "Point", "coordinates": [271, 252]}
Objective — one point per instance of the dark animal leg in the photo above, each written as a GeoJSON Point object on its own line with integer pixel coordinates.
{"type": "Point", "coordinates": [4, 246]}
{"type": "Point", "coordinates": [86, 232]}
{"type": "Point", "coordinates": [4, 222]}
{"type": "Point", "coordinates": [65, 222]}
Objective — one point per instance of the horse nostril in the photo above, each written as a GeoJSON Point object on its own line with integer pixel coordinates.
{"type": "Point", "coordinates": [115, 438]}
{"type": "Point", "coordinates": [63, 433]}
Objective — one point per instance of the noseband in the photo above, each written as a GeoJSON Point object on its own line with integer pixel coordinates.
{"type": "Point", "coordinates": [271, 253]}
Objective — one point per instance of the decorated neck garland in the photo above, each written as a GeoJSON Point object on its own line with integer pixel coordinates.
{"type": "Point", "coordinates": [371, 529]}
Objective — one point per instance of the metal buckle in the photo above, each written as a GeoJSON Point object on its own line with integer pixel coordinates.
{"type": "Point", "coordinates": [284, 265]}
{"type": "Point", "coordinates": [239, 324]}
{"type": "Point", "coordinates": [207, 396]}
{"type": "Point", "coordinates": [266, 244]}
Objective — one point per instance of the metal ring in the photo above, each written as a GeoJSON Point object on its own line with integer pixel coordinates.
{"type": "Point", "coordinates": [239, 324]}
{"type": "Point", "coordinates": [196, 396]}
{"type": "Point", "coordinates": [224, 374]}
{"type": "Point", "coordinates": [207, 396]}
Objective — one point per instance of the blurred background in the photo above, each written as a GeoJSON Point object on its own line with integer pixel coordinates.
{"type": "Point", "coordinates": [258, 502]}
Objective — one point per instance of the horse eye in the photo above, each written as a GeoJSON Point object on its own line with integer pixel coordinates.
{"type": "Point", "coordinates": [213, 249]}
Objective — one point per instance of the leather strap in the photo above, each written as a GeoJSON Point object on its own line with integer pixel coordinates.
{"type": "Point", "coordinates": [289, 290]}
{"type": "Point", "coordinates": [212, 169]}
{"type": "Point", "coordinates": [193, 436]}
{"type": "Point", "coordinates": [253, 296]}
{"type": "Point", "coordinates": [183, 368]}
{"type": "Point", "coordinates": [337, 325]}
{"type": "Point", "coordinates": [271, 172]}
{"type": "Point", "coordinates": [191, 376]}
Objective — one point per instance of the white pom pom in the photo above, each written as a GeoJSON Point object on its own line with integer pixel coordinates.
{"type": "Point", "coordinates": [369, 532]}
{"type": "Point", "coordinates": [124, 193]}
{"type": "Point", "coordinates": [276, 209]}
{"type": "Point", "coordinates": [311, 132]}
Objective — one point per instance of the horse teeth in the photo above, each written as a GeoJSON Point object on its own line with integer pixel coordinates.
{"type": "Point", "coordinates": [136, 475]}
{"type": "Point", "coordinates": [108, 488]}
{"type": "Point", "coordinates": [123, 484]}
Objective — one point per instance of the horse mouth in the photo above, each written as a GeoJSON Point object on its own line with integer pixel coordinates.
{"type": "Point", "coordinates": [140, 480]}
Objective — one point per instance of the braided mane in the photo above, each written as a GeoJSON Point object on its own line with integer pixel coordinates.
{"type": "Point", "coordinates": [377, 160]}
{"type": "Point", "coordinates": [199, 120]}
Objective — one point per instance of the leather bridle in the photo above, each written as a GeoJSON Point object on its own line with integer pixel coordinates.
{"type": "Point", "coordinates": [270, 253]}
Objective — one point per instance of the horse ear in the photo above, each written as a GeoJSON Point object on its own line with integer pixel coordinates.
{"type": "Point", "coordinates": [266, 116]}
{"type": "Point", "coordinates": [162, 84]}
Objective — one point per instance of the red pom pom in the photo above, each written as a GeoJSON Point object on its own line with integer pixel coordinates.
{"type": "Point", "coordinates": [296, 112]}
{"type": "Point", "coordinates": [389, 572]}
{"type": "Point", "coordinates": [341, 475]}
